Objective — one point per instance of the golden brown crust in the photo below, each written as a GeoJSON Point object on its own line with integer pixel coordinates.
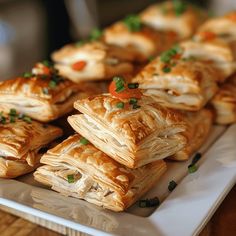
{"type": "Point", "coordinates": [222, 25]}
{"type": "Point", "coordinates": [110, 60]}
{"type": "Point", "coordinates": [34, 97]}
{"type": "Point", "coordinates": [199, 126]}
{"type": "Point", "coordinates": [188, 86]}
{"type": "Point", "coordinates": [97, 178]}
{"type": "Point", "coordinates": [21, 143]}
{"type": "Point", "coordinates": [133, 137]}
{"type": "Point", "coordinates": [224, 102]}
{"type": "Point", "coordinates": [20, 137]}
{"type": "Point", "coordinates": [133, 124]}
{"type": "Point", "coordinates": [162, 16]}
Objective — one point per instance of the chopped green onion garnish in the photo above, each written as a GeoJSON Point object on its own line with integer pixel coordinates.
{"type": "Point", "coordinates": [133, 23]}
{"type": "Point", "coordinates": [167, 55]}
{"type": "Point", "coordinates": [179, 7]}
{"type": "Point", "coordinates": [27, 75]}
{"type": "Point", "coordinates": [27, 119]}
{"type": "Point", "coordinates": [196, 158]}
{"type": "Point", "coordinates": [70, 179]}
{"type": "Point", "coordinates": [95, 34]}
{"type": "Point", "coordinates": [80, 43]}
{"type": "Point", "coordinates": [172, 185]}
{"type": "Point", "coordinates": [133, 101]}
{"type": "Point", "coordinates": [12, 112]}
{"type": "Point", "coordinates": [120, 84]}
{"type": "Point", "coordinates": [166, 69]}
{"type": "Point", "coordinates": [52, 84]}
{"type": "Point", "coordinates": [2, 118]}
{"type": "Point", "coordinates": [149, 202]}
{"type": "Point", "coordinates": [120, 105]}
{"type": "Point", "coordinates": [45, 91]}
{"type": "Point", "coordinates": [12, 119]}
{"type": "Point", "coordinates": [47, 63]}
{"type": "Point", "coordinates": [192, 168]}
{"type": "Point", "coordinates": [83, 141]}
{"type": "Point", "coordinates": [133, 85]}
{"type": "Point", "coordinates": [136, 106]}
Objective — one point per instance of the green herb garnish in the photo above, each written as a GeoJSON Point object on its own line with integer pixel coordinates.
{"type": "Point", "coordinates": [70, 179]}
{"type": "Point", "coordinates": [169, 54]}
{"type": "Point", "coordinates": [133, 101]}
{"type": "Point", "coordinates": [133, 85]}
{"type": "Point", "coordinates": [196, 158]}
{"type": "Point", "coordinates": [12, 119]}
{"type": "Point", "coordinates": [166, 69]}
{"type": "Point", "coordinates": [192, 168]}
{"type": "Point", "coordinates": [133, 23]}
{"type": "Point", "coordinates": [179, 7]}
{"type": "Point", "coordinates": [47, 63]}
{"type": "Point", "coordinates": [12, 112]}
{"type": "Point", "coordinates": [120, 84]}
{"type": "Point", "coordinates": [80, 43]}
{"type": "Point", "coordinates": [120, 105]}
{"type": "Point", "coordinates": [149, 202]}
{"type": "Point", "coordinates": [52, 84]}
{"type": "Point", "coordinates": [95, 34]}
{"type": "Point", "coordinates": [2, 118]}
{"type": "Point", "coordinates": [83, 141]}
{"type": "Point", "coordinates": [27, 119]}
{"type": "Point", "coordinates": [27, 75]}
{"type": "Point", "coordinates": [172, 185]}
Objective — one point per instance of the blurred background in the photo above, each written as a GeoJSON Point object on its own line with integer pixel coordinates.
{"type": "Point", "coordinates": [31, 29]}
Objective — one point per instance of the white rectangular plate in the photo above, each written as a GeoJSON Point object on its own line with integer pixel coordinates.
{"type": "Point", "coordinates": [184, 211]}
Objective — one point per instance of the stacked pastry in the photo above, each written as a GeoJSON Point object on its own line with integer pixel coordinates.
{"type": "Point", "coordinates": [42, 95]}
{"type": "Point", "coordinates": [223, 29]}
{"type": "Point", "coordinates": [123, 137]}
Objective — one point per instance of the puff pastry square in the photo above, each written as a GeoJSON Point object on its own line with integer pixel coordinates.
{"type": "Point", "coordinates": [43, 97]}
{"type": "Point", "coordinates": [132, 137]}
{"type": "Point", "coordinates": [83, 171]}
{"type": "Point", "coordinates": [224, 27]}
{"type": "Point", "coordinates": [145, 42]}
{"type": "Point", "coordinates": [199, 125]}
{"type": "Point", "coordinates": [99, 61]}
{"type": "Point", "coordinates": [21, 145]}
{"type": "Point", "coordinates": [167, 16]}
{"type": "Point", "coordinates": [224, 102]}
{"type": "Point", "coordinates": [184, 84]}
{"type": "Point", "coordinates": [215, 52]}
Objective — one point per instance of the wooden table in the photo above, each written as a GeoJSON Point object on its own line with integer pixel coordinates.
{"type": "Point", "coordinates": [223, 223]}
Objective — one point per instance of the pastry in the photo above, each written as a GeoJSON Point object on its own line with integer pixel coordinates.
{"type": "Point", "coordinates": [177, 83]}
{"type": "Point", "coordinates": [43, 95]}
{"type": "Point", "coordinates": [213, 51]}
{"type": "Point", "coordinates": [177, 16]}
{"type": "Point", "coordinates": [143, 40]}
{"type": "Point", "coordinates": [224, 102]}
{"type": "Point", "coordinates": [76, 168]}
{"type": "Point", "coordinates": [93, 61]}
{"type": "Point", "coordinates": [199, 125]}
{"type": "Point", "coordinates": [224, 27]}
{"type": "Point", "coordinates": [22, 142]}
{"type": "Point", "coordinates": [132, 133]}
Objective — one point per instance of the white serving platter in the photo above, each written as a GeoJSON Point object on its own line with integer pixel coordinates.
{"type": "Point", "coordinates": [183, 212]}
